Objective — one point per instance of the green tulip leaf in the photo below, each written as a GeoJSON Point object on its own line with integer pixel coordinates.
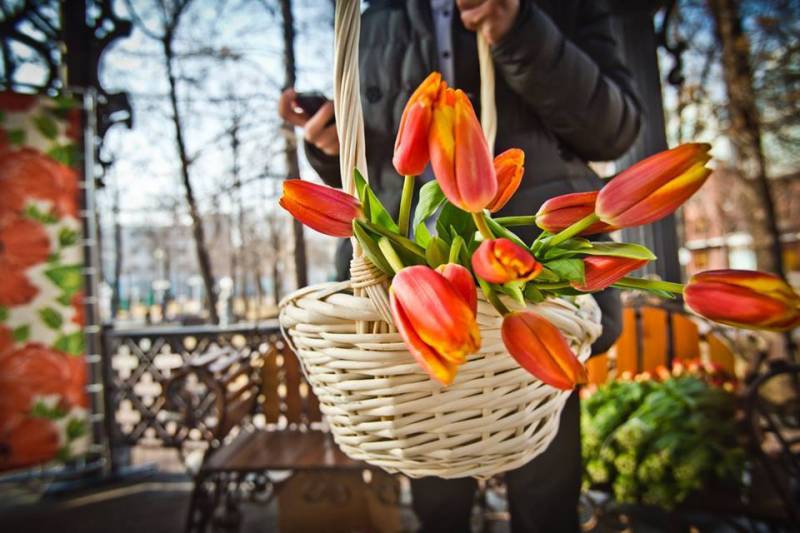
{"type": "Point", "coordinates": [452, 218]}
{"type": "Point", "coordinates": [567, 269]}
{"type": "Point", "coordinates": [620, 249]}
{"type": "Point", "coordinates": [431, 199]}
{"type": "Point", "coordinates": [503, 232]}
{"type": "Point", "coordinates": [371, 248]}
{"type": "Point", "coordinates": [421, 235]}
{"type": "Point", "coordinates": [457, 250]}
{"type": "Point", "coordinates": [372, 206]}
{"type": "Point", "coordinates": [437, 252]}
{"type": "Point", "coordinates": [514, 289]}
{"type": "Point", "coordinates": [568, 248]}
{"type": "Point", "coordinates": [533, 295]}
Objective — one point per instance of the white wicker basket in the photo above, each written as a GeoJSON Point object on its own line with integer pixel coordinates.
{"type": "Point", "coordinates": [381, 406]}
{"type": "Point", "coordinates": [383, 409]}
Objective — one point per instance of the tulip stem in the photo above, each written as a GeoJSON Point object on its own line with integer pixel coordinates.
{"type": "Point", "coordinates": [510, 222]}
{"type": "Point", "coordinates": [571, 231]}
{"type": "Point", "coordinates": [480, 223]}
{"type": "Point", "coordinates": [638, 283]}
{"type": "Point", "coordinates": [390, 254]}
{"type": "Point", "coordinates": [491, 296]}
{"type": "Point", "coordinates": [405, 205]}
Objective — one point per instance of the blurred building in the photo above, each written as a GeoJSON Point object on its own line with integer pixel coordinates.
{"type": "Point", "coordinates": [723, 224]}
{"type": "Point", "coordinates": [162, 258]}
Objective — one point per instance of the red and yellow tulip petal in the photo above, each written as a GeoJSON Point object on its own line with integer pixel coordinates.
{"type": "Point", "coordinates": [437, 312]}
{"type": "Point", "coordinates": [509, 168]}
{"type": "Point", "coordinates": [322, 208]}
{"type": "Point", "coordinates": [761, 282]}
{"type": "Point", "coordinates": [437, 367]}
{"type": "Point", "coordinates": [460, 157]}
{"type": "Point", "coordinates": [411, 152]}
{"type": "Point", "coordinates": [501, 261]}
{"type": "Point", "coordinates": [635, 184]}
{"type": "Point", "coordinates": [745, 299]}
{"type": "Point", "coordinates": [603, 271]}
{"type": "Point", "coordinates": [562, 211]}
{"type": "Point", "coordinates": [540, 348]}
{"type": "Point", "coordinates": [461, 280]}
{"type": "Point", "coordinates": [664, 200]}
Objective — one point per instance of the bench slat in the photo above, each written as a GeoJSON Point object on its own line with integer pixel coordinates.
{"type": "Point", "coordinates": [271, 402]}
{"type": "Point", "coordinates": [654, 338]}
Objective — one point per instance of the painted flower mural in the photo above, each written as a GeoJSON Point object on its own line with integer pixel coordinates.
{"type": "Point", "coordinates": [43, 405]}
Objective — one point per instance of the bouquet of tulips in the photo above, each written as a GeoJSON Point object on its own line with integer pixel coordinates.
{"type": "Point", "coordinates": [657, 438]}
{"type": "Point", "coordinates": [433, 293]}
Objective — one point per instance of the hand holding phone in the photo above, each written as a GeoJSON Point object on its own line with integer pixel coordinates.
{"type": "Point", "coordinates": [314, 113]}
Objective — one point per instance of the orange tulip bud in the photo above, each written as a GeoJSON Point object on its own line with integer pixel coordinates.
{"type": "Point", "coordinates": [509, 169]}
{"type": "Point", "coordinates": [602, 271]}
{"type": "Point", "coordinates": [411, 153]}
{"type": "Point", "coordinates": [655, 187]}
{"type": "Point", "coordinates": [436, 323]}
{"type": "Point", "coordinates": [744, 299]}
{"type": "Point", "coordinates": [322, 208]}
{"type": "Point", "coordinates": [501, 261]}
{"type": "Point", "coordinates": [460, 156]}
{"type": "Point", "coordinates": [562, 211]}
{"type": "Point", "coordinates": [540, 348]}
{"type": "Point", "coordinates": [462, 281]}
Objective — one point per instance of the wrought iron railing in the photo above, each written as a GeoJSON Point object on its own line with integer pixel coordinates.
{"type": "Point", "coordinates": [139, 363]}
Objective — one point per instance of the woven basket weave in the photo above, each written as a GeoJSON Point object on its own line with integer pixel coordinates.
{"type": "Point", "coordinates": [382, 408]}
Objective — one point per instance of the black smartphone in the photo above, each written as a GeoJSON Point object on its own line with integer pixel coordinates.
{"type": "Point", "coordinates": [310, 102]}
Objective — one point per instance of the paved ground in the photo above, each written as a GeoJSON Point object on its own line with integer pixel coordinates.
{"type": "Point", "coordinates": [158, 503]}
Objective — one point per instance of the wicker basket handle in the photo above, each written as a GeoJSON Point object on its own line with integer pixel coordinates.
{"type": "Point", "coordinates": [350, 128]}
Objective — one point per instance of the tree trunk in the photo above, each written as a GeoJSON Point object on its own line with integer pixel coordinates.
{"type": "Point", "coordinates": [745, 124]}
{"type": "Point", "coordinates": [198, 232]}
{"type": "Point", "coordinates": [115, 286]}
{"type": "Point", "coordinates": [290, 150]}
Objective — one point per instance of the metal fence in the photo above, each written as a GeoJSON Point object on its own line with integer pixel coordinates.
{"type": "Point", "coordinates": [138, 364]}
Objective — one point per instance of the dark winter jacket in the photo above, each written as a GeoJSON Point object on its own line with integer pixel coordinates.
{"type": "Point", "coordinates": [563, 96]}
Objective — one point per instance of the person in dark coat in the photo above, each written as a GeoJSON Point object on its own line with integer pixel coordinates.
{"type": "Point", "coordinates": [565, 98]}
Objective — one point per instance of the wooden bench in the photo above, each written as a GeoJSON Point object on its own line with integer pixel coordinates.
{"type": "Point", "coordinates": [655, 335]}
{"type": "Point", "coordinates": [258, 415]}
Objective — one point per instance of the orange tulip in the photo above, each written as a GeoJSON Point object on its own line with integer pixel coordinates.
{"type": "Point", "coordinates": [562, 211]}
{"type": "Point", "coordinates": [436, 323]}
{"type": "Point", "coordinates": [501, 261]}
{"type": "Point", "coordinates": [655, 187]}
{"type": "Point", "coordinates": [459, 154]}
{"type": "Point", "coordinates": [411, 153]}
{"type": "Point", "coordinates": [462, 281]}
{"type": "Point", "coordinates": [602, 271]}
{"type": "Point", "coordinates": [322, 208]}
{"type": "Point", "coordinates": [509, 169]}
{"type": "Point", "coordinates": [744, 299]}
{"type": "Point", "coordinates": [540, 348]}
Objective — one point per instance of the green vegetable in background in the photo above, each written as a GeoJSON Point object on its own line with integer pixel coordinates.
{"type": "Point", "coordinates": [657, 441]}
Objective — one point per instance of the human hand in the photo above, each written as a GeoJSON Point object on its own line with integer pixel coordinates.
{"type": "Point", "coordinates": [317, 129]}
{"type": "Point", "coordinates": [493, 18]}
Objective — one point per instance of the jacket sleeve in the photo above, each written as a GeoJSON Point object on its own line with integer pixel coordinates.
{"type": "Point", "coordinates": [579, 87]}
{"type": "Point", "coordinates": [327, 166]}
